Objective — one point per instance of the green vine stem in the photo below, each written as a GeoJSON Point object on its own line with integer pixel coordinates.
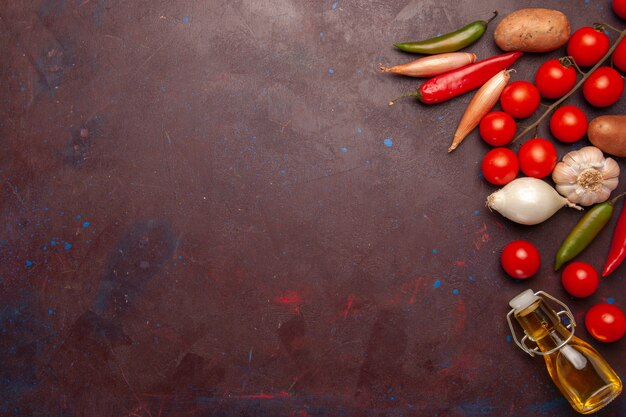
{"type": "Point", "coordinates": [557, 103]}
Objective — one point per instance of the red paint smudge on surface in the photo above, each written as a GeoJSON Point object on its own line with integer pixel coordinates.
{"type": "Point", "coordinates": [483, 236]}
{"type": "Point", "coordinates": [460, 263]}
{"type": "Point", "coordinates": [289, 298]}
{"type": "Point", "coordinates": [347, 306]}
{"type": "Point", "coordinates": [262, 396]}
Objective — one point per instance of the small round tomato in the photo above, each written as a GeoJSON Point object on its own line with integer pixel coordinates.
{"type": "Point", "coordinates": [603, 87]}
{"type": "Point", "coordinates": [619, 7]}
{"type": "Point", "coordinates": [520, 259]}
{"type": "Point", "coordinates": [619, 55]}
{"type": "Point", "coordinates": [497, 128]}
{"type": "Point", "coordinates": [568, 124]}
{"type": "Point", "coordinates": [587, 46]}
{"type": "Point", "coordinates": [500, 166]}
{"type": "Point", "coordinates": [580, 279]}
{"type": "Point", "coordinates": [554, 80]}
{"type": "Point", "coordinates": [537, 158]}
{"type": "Point", "coordinates": [520, 99]}
{"type": "Point", "coordinates": [606, 322]}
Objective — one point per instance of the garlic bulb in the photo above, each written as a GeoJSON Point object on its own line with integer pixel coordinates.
{"type": "Point", "coordinates": [585, 176]}
{"type": "Point", "coordinates": [527, 200]}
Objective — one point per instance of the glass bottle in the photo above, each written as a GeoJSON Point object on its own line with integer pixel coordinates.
{"type": "Point", "coordinates": [584, 378]}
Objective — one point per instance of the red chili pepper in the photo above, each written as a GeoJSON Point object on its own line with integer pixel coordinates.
{"type": "Point", "coordinates": [456, 82]}
{"type": "Point", "coordinates": [617, 253]}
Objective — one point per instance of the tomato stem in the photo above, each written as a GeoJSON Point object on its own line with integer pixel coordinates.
{"type": "Point", "coordinates": [586, 75]}
{"type": "Point", "coordinates": [607, 26]}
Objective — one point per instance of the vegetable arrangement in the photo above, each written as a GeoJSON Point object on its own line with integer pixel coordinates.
{"type": "Point", "coordinates": [584, 177]}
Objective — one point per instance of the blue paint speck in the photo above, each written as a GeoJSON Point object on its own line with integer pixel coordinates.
{"type": "Point", "coordinates": [359, 130]}
{"type": "Point", "coordinates": [331, 71]}
{"type": "Point", "coordinates": [46, 209]}
{"type": "Point", "coordinates": [67, 246]}
{"type": "Point", "coordinates": [508, 338]}
{"type": "Point", "coordinates": [50, 311]}
{"type": "Point", "coordinates": [321, 36]}
{"type": "Point", "coordinates": [437, 284]}
{"type": "Point", "coordinates": [53, 242]}
{"type": "Point", "coordinates": [282, 172]}
{"type": "Point", "coordinates": [180, 256]}
{"type": "Point", "coordinates": [78, 217]}
{"type": "Point", "coordinates": [476, 212]}
{"type": "Point", "coordinates": [388, 142]}
{"type": "Point", "coordinates": [334, 6]}
{"type": "Point", "coordinates": [610, 300]}
{"type": "Point", "coordinates": [157, 325]}
{"type": "Point", "coordinates": [434, 251]}
{"type": "Point", "coordinates": [28, 264]}
{"type": "Point", "coordinates": [186, 19]}
{"type": "Point", "coordinates": [455, 291]}
{"type": "Point", "coordinates": [440, 118]}
{"type": "Point", "coordinates": [344, 150]}
{"type": "Point", "coordinates": [86, 224]}
{"type": "Point", "coordinates": [367, 161]}
{"type": "Point", "coordinates": [471, 277]}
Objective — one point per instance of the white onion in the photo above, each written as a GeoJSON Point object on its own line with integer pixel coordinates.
{"type": "Point", "coordinates": [528, 201]}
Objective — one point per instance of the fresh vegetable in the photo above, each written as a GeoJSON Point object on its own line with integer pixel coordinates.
{"type": "Point", "coordinates": [553, 79]}
{"type": "Point", "coordinates": [580, 279]}
{"type": "Point", "coordinates": [619, 56]}
{"type": "Point", "coordinates": [568, 124]}
{"type": "Point", "coordinates": [619, 7]}
{"type": "Point", "coordinates": [500, 166]}
{"type": "Point", "coordinates": [603, 87]}
{"type": "Point", "coordinates": [532, 30]}
{"type": "Point", "coordinates": [433, 65]}
{"type": "Point", "coordinates": [608, 133]}
{"type": "Point", "coordinates": [537, 158]}
{"type": "Point", "coordinates": [587, 46]}
{"type": "Point", "coordinates": [585, 177]}
{"type": "Point", "coordinates": [520, 259]}
{"type": "Point", "coordinates": [460, 81]}
{"type": "Point", "coordinates": [520, 99]}
{"type": "Point", "coordinates": [497, 128]}
{"type": "Point", "coordinates": [606, 322]}
{"type": "Point", "coordinates": [481, 104]}
{"type": "Point", "coordinates": [585, 231]}
{"type": "Point", "coordinates": [527, 201]}
{"type": "Point", "coordinates": [449, 42]}
{"type": "Point", "coordinates": [617, 252]}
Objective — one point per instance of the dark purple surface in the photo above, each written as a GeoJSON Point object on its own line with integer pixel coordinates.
{"type": "Point", "coordinates": [207, 208]}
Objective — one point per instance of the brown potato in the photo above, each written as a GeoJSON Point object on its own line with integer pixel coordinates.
{"type": "Point", "coordinates": [533, 30]}
{"type": "Point", "coordinates": [608, 133]}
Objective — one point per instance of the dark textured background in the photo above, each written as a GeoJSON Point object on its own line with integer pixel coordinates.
{"type": "Point", "coordinates": [207, 208]}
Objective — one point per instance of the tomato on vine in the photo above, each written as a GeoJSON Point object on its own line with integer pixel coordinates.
{"type": "Point", "coordinates": [603, 87]}
{"type": "Point", "coordinates": [568, 124]}
{"type": "Point", "coordinates": [500, 166]}
{"type": "Point", "coordinates": [587, 46]}
{"type": "Point", "coordinates": [554, 80]}
{"type": "Point", "coordinates": [520, 99]}
{"type": "Point", "coordinates": [537, 158]}
{"type": "Point", "coordinates": [619, 55]}
{"type": "Point", "coordinates": [497, 128]}
{"type": "Point", "coordinates": [619, 7]}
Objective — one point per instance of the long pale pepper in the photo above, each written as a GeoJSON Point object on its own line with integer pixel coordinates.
{"type": "Point", "coordinates": [483, 101]}
{"type": "Point", "coordinates": [433, 65]}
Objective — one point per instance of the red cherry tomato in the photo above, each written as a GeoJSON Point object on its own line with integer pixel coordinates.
{"type": "Point", "coordinates": [537, 158]}
{"type": "Point", "coordinates": [580, 279]}
{"type": "Point", "coordinates": [554, 80]}
{"type": "Point", "coordinates": [520, 259]}
{"type": "Point", "coordinates": [619, 7]}
{"type": "Point", "coordinates": [497, 128]}
{"type": "Point", "coordinates": [520, 99]}
{"type": "Point", "coordinates": [606, 322]}
{"type": "Point", "coordinates": [619, 55]}
{"type": "Point", "coordinates": [500, 166]}
{"type": "Point", "coordinates": [603, 87]}
{"type": "Point", "coordinates": [587, 46]}
{"type": "Point", "coordinates": [568, 124]}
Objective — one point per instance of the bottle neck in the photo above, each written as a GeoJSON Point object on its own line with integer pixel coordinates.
{"type": "Point", "coordinates": [543, 325]}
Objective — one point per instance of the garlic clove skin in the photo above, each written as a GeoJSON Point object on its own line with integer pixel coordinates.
{"type": "Point", "coordinates": [585, 176]}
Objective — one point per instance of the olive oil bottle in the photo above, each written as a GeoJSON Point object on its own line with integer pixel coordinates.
{"type": "Point", "coordinates": [584, 378]}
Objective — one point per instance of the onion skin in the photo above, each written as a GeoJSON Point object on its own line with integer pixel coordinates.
{"type": "Point", "coordinates": [433, 65]}
{"type": "Point", "coordinates": [528, 201]}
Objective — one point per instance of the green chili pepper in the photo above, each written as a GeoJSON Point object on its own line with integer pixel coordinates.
{"type": "Point", "coordinates": [589, 226]}
{"type": "Point", "coordinates": [450, 42]}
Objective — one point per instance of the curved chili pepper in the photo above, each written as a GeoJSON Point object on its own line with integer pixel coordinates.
{"type": "Point", "coordinates": [456, 82]}
{"type": "Point", "coordinates": [617, 253]}
{"type": "Point", "coordinates": [587, 228]}
{"type": "Point", "coordinates": [450, 42]}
